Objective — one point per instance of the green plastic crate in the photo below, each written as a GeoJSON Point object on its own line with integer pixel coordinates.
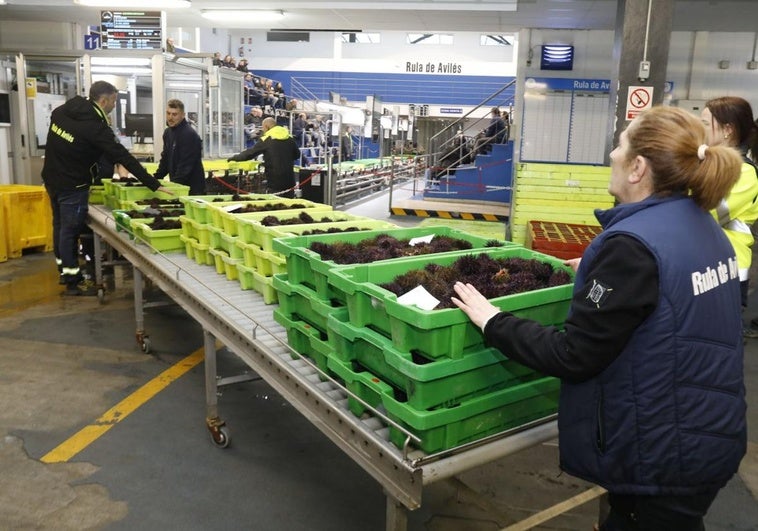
{"type": "Point", "coordinates": [111, 202]}
{"type": "Point", "coordinates": [202, 253]}
{"type": "Point", "coordinates": [189, 246]}
{"type": "Point", "coordinates": [172, 205]}
{"type": "Point", "coordinates": [150, 167]}
{"type": "Point", "coordinates": [197, 205]}
{"type": "Point", "coordinates": [158, 240]}
{"type": "Point", "coordinates": [214, 238]}
{"type": "Point", "coordinates": [108, 187]}
{"type": "Point", "coordinates": [188, 228]}
{"type": "Point", "coordinates": [269, 263]}
{"type": "Point", "coordinates": [305, 339]}
{"type": "Point", "coordinates": [218, 260]}
{"type": "Point", "coordinates": [445, 428]}
{"type": "Point", "coordinates": [437, 333]}
{"type": "Point", "coordinates": [244, 165]}
{"type": "Point", "coordinates": [232, 221]}
{"type": "Point", "coordinates": [230, 244]}
{"type": "Point", "coordinates": [420, 382]}
{"type": "Point", "coordinates": [250, 279]}
{"type": "Point", "coordinates": [298, 300]}
{"type": "Point", "coordinates": [306, 267]}
{"type": "Point", "coordinates": [97, 195]}
{"type": "Point", "coordinates": [248, 252]}
{"type": "Point", "coordinates": [264, 236]}
{"type": "Point", "coordinates": [123, 222]}
{"type": "Point", "coordinates": [138, 192]}
{"type": "Point", "coordinates": [230, 267]}
{"type": "Point", "coordinates": [218, 210]}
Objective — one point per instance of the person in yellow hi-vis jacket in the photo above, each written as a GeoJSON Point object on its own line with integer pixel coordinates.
{"type": "Point", "coordinates": [729, 121]}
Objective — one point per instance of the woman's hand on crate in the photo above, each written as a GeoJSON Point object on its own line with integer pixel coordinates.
{"type": "Point", "coordinates": [573, 263]}
{"type": "Point", "coordinates": [165, 190]}
{"type": "Point", "coordinates": [474, 304]}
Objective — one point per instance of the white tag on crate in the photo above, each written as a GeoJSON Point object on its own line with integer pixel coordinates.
{"type": "Point", "coordinates": [231, 208]}
{"type": "Point", "coordinates": [421, 239]}
{"type": "Point", "coordinates": [418, 296]}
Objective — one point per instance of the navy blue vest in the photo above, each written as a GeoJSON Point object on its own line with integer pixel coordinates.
{"type": "Point", "coordinates": [667, 417]}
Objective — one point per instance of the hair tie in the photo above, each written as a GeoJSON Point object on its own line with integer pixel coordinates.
{"type": "Point", "coordinates": [701, 151]}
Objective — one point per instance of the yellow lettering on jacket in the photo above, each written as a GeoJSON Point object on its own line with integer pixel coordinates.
{"type": "Point", "coordinates": [65, 135]}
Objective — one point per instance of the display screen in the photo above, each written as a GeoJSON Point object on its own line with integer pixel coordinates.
{"type": "Point", "coordinates": [5, 109]}
{"type": "Point", "coordinates": [557, 57]}
{"type": "Point", "coordinates": [139, 125]}
{"type": "Point", "coordinates": [131, 30]}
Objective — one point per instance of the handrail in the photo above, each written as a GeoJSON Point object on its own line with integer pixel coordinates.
{"type": "Point", "coordinates": [303, 93]}
{"type": "Point", "coordinates": [460, 120]}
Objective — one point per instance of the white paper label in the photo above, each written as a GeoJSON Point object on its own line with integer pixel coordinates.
{"type": "Point", "coordinates": [421, 239]}
{"type": "Point", "coordinates": [418, 296]}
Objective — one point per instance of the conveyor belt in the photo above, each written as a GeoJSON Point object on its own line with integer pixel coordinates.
{"type": "Point", "coordinates": [245, 325]}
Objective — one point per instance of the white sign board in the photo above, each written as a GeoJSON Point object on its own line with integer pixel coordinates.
{"type": "Point", "coordinates": [639, 99]}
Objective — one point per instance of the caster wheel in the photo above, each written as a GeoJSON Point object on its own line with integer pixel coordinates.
{"type": "Point", "coordinates": [145, 346]}
{"type": "Point", "coordinates": [221, 437]}
{"type": "Point", "coordinates": [101, 296]}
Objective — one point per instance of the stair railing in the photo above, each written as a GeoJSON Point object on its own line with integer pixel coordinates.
{"type": "Point", "coordinates": [443, 138]}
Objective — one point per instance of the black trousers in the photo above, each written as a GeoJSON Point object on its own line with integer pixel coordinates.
{"type": "Point", "coordinates": [69, 221]}
{"type": "Point", "coordinates": [654, 513]}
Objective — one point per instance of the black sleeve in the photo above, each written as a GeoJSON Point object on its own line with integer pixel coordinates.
{"type": "Point", "coordinates": [295, 151]}
{"type": "Point", "coordinates": [106, 141]}
{"type": "Point", "coordinates": [162, 170]}
{"type": "Point", "coordinates": [251, 153]}
{"type": "Point", "coordinates": [620, 292]}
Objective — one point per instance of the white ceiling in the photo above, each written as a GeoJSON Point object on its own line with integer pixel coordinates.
{"type": "Point", "coordinates": [418, 15]}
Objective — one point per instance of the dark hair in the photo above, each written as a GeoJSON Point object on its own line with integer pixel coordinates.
{"type": "Point", "coordinates": [495, 111]}
{"type": "Point", "coordinates": [175, 104]}
{"type": "Point", "coordinates": [100, 89]}
{"type": "Point", "coordinates": [670, 139]}
{"type": "Point", "coordinates": [737, 112]}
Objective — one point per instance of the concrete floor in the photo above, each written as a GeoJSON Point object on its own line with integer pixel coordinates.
{"type": "Point", "coordinates": [65, 362]}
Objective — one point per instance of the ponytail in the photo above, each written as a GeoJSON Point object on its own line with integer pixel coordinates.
{"type": "Point", "coordinates": [715, 176]}
{"type": "Point", "coordinates": [673, 142]}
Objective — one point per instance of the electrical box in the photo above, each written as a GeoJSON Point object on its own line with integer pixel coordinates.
{"type": "Point", "coordinates": [693, 106]}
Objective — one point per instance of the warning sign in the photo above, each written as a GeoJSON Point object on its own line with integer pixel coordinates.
{"type": "Point", "coordinates": [640, 98]}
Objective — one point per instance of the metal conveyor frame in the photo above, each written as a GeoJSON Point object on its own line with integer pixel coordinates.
{"type": "Point", "coordinates": [245, 325]}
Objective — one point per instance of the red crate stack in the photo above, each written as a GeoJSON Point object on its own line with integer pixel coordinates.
{"type": "Point", "coordinates": [562, 240]}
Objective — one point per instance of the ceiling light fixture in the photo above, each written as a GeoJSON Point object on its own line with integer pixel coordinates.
{"type": "Point", "coordinates": [120, 61]}
{"type": "Point", "coordinates": [121, 70]}
{"type": "Point", "coordinates": [242, 15]}
{"type": "Point", "coordinates": [129, 4]}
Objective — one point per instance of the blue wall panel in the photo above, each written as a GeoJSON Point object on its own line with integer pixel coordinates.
{"type": "Point", "coordinates": [397, 88]}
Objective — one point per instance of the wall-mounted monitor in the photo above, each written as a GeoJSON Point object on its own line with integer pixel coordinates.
{"type": "Point", "coordinates": [5, 109]}
{"type": "Point", "coordinates": [557, 57]}
{"type": "Point", "coordinates": [139, 125]}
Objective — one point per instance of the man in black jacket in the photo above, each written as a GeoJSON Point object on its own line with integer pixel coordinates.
{"type": "Point", "coordinates": [78, 137]}
{"type": "Point", "coordinates": [182, 154]}
{"type": "Point", "coordinates": [279, 153]}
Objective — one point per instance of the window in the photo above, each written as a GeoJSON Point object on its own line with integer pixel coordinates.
{"type": "Point", "coordinates": [496, 40]}
{"type": "Point", "coordinates": [288, 36]}
{"type": "Point", "coordinates": [430, 38]}
{"type": "Point", "coordinates": [362, 38]}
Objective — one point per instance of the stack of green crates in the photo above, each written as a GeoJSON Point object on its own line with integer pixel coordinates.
{"type": "Point", "coordinates": [222, 229]}
{"type": "Point", "coordinates": [197, 228]}
{"type": "Point", "coordinates": [121, 195]}
{"type": "Point", "coordinates": [306, 267]}
{"type": "Point", "coordinates": [197, 206]}
{"type": "Point", "coordinates": [256, 241]}
{"type": "Point", "coordinates": [429, 371]}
